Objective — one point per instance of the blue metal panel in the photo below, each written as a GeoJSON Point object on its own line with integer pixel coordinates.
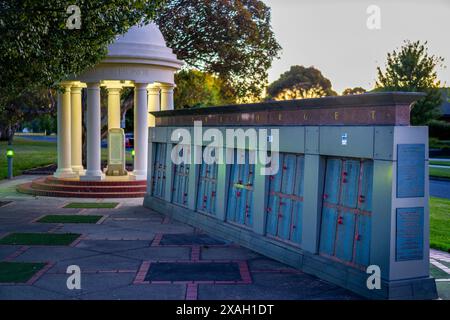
{"type": "Point", "coordinates": [332, 181]}
{"type": "Point", "coordinates": [207, 182]}
{"type": "Point", "coordinates": [345, 236]}
{"type": "Point", "coordinates": [410, 170]}
{"type": "Point", "coordinates": [274, 183]}
{"type": "Point", "coordinates": [296, 232]}
{"type": "Point", "coordinates": [159, 170]}
{"type": "Point", "coordinates": [409, 239]}
{"type": "Point", "coordinates": [180, 183]}
{"type": "Point", "coordinates": [362, 239]}
{"type": "Point", "coordinates": [287, 188]}
{"type": "Point", "coordinates": [365, 195]}
{"type": "Point", "coordinates": [350, 181]}
{"type": "Point", "coordinates": [284, 199]}
{"type": "Point", "coordinates": [348, 200]}
{"type": "Point", "coordinates": [240, 191]}
{"type": "Point", "coordinates": [328, 230]}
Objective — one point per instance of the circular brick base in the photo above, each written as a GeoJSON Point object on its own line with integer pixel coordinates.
{"type": "Point", "coordinates": [53, 187]}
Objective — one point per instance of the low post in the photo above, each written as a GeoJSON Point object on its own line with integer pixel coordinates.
{"type": "Point", "coordinates": [9, 157]}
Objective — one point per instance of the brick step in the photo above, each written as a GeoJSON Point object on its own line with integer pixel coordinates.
{"type": "Point", "coordinates": [53, 180]}
{"type": "Point", "coordinates": [29, 189]}
{"type": "Point", "coordinates": [41, 184]}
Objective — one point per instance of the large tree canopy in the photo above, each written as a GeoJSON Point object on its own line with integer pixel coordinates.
{"type": "Point", "coordinates": [299, 83]}
{"type": "Point", "coordinates": [412, 69]}
{"type": "Point", "coordinates": [230, 38]}
{"type": "Point", "coordinates": [38, 49]}
{"type": "Point", "coordinates": [200, 89]}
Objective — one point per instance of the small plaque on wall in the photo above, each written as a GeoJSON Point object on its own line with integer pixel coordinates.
{"type": "Point", "coordinates": [409, 234]}
{"type": "Point", "coordinates": [410, 170]}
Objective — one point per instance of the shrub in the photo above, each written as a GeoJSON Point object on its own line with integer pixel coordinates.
{"type": "Point", "coordinates": [439, 129]}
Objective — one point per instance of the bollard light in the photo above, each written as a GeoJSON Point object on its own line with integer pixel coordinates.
{"type": "Point", "coordinates": [9, 157]}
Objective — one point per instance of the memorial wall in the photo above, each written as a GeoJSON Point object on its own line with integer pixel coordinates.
{"type": "Point", "coordinates": [336, 187]}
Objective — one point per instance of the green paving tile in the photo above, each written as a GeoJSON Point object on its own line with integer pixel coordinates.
{"type": "Point", "coordinates": [18, 272]}
{"type": "Point", "coordinates": [70, 219]}
{"type": "Point", "coordinates": [92, 205]}
{"type": "Point", "coordinates": [45, 239]}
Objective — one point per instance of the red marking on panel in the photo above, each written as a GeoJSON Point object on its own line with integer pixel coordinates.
{"type": "Point", "coordinates": [157, 240]}
{"type": "Point", "coordinates": [195, 253]}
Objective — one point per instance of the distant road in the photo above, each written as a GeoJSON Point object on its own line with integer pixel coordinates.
{"type": "Point", "coordinates": [440, 189]}
{"type": "Point", "coordinates": [39, 138]}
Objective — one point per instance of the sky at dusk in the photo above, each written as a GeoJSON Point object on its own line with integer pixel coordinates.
{"type": "Point", "coordinates": [332, 35]}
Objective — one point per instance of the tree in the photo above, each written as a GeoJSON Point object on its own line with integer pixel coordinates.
{"type": "Point", "coordinates": [300, 82]}
{"type": "Point", "coordinates": [200, 89]}
{"type": "Point", "coordinates": [38, 49]}
{"type": "Point", "coordinates": [355, 90]}
{"type": "Point", "coordinates": [28, 106]}
{"type": "Point", "coordinates": [412, 69]}
{"type": "Point", "coordinates": [232, 39]}
{"type": "Point", "coordinates": [42, 123]}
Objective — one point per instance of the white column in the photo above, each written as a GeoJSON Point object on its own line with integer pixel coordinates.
{"type": "Point", "coordinates": [140, 131]}
{"type": "Point", "coordinates": [113, 107]}
{"type": "Point", "coordinates": [93, 127]}
{"type": "Point", "coordinates": [153, 103]}
{"type": "Point", "coordinates": [167, 97]}
{"type": "Point", "coordinates": [76, 130]}
{"type": "Point", "coordinates": [64, 151]}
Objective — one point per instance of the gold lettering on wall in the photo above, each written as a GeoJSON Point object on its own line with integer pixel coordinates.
{"type": "Point", "coordinates": [305, 116]}
{"type": "Point", "coordinates": [372, 114]}
{"type": "Point", "coordinates": [280, 116]}
{"type": "Point", "coordinates": [336, 115]}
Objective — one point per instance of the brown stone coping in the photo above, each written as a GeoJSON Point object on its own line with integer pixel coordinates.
{"type": "Point", "coordinates": [387, 108]}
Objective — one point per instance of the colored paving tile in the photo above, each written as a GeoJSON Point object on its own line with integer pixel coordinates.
{"type": "Point", "coordinates": [92, 205]}
{"type": "Point", "coordinates": [18, 272]}
{"type": "Point", "coordinates": [189, 239]}
{"type": "Point", "coordinates": [70, 219]}
{"type": "Point", "coordinates": [46, 239]}
{"type": "Point", "coordinates": [204, 271]}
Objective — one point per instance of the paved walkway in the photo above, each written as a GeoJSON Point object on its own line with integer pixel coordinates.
{"type": "Point", "coordinates": [115, 255]}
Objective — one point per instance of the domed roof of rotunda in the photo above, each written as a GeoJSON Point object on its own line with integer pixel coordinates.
{"type": "Point", "coordinates": [142, 44]}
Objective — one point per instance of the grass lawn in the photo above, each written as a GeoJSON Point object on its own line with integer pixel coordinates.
{"type": "Point", "coordinates": [28, 154]}
{"type": "Point", "coordinates": [440, 224]}
{"type": "Point", "coordinates": [440, 172]}
{"type": "Point", "coordinates": [44, 239]}
{"type": "Point", "coordinates": [91, 205]}
{"type": "Point", "coordinates": [18, 272]}
{"type": "Point", "coordinates": [70, 219]}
